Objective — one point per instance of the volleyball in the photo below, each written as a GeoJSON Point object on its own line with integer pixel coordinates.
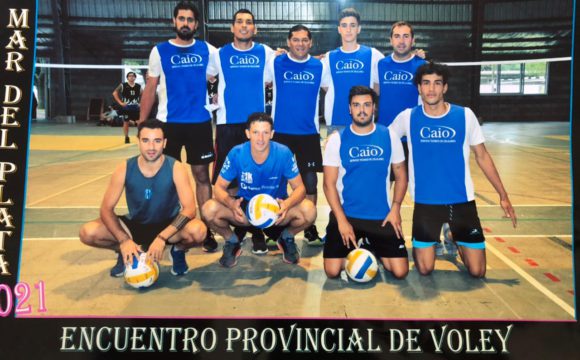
{"type": "Point", "coordinates": [361, 265]}
{"type": "Point", "coordinates": [142, 273]}
{"type": "Point", "coordinates": [262, 211]}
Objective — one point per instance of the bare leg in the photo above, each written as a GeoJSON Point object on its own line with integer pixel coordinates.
{"type": "Point", "coordinates": [424, 259]}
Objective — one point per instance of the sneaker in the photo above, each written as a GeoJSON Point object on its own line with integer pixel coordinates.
{"type": "Point", "coordinates": [127, 141]}
{"type": "Point", "coordinates": [119, 269]}
{"type": "Point", "coordinates": [231, 254]}
{"type": "Point", "coordinates": [312, 237]}
{"type": "Point", "coordinates": [179, 264]}
{"type": "Point", "coordinates": [271, 244]}
{"type": "Point", "coordinates": [209, 244]}
{"type": "Point", "coordinates": [448, 243]}
{"type": "Point", "coordinates": [259, 243]}
{"type": "Point", "coordinates": [290, 251]}
{"type": "Point", "coordinates": [439, 249]}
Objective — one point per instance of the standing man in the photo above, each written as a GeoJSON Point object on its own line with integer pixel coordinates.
{"type": "Point", "coordinates": [357, 163]}
{"type": "Point", "coordinates": [350, 65]}
{"type": "Point", "coordinates": [260, 166]}
{"type": "Point", "coordinates": [127, 95]}
{"type": "Point", "coordinates": [240, 66]}
{"type": "Point", "coordinates": [395, 74]}
{"type": "Point", "coordinates": [440, 137]}
{"type": "Point", "coordinates": [161, 207]}
{"type": "Point", "coordinates": [179, 67]}
{"type": "Point", "coordinates": [297, 79]}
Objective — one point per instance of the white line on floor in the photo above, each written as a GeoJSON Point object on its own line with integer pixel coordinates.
{"type": "Point", "coordinates": [67, 190]}
{"type": "Point", "coordinates": [531, 280]}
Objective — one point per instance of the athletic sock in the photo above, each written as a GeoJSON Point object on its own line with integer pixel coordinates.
{"type": "Point", "coordinates": [233, 239]}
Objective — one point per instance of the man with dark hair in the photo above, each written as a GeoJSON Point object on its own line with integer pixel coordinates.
{"type": "Point", "coordinates": [240, 67]}
{"type": "Point", "coordinates": [350, 64]}
{"type": "Point", "coordinates": [179, 67]}
{"type": "Point", "coordinates": [260, 166]}
{"type": "Point", "coordinates": [297, 79]}
{"type": "Point", "coordinates": [362, 204]}
{"type": "Point", "coordinates": [440, 137]}
{"type": "Point", "coordinates": [127, 95]}
{"type": "Point", "coordinates": [160, 202]}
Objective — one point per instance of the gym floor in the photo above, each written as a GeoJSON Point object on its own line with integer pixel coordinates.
{"type": "Point", "coordinates": [529, 275]}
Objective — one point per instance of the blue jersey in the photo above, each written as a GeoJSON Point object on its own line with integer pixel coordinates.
{"type": "Point", "coordinates": [397, 89]}
{"type": "Point", "coordinates": [439, 149]}
{"type": "Point", "coordinates": [271, 177]}
{"type": "Point", "coordinates": [347, 69]}
{"type": "Point", "coordinates": [296, 92]}
{"type": "Point", "coordinates": [182, 85]}
{"type": "Point", "coordinates": [364, 162]}
{"type": "Point", "coordinates": [151, 199]}
{"type": "Point", "coordinates": [241, 81]}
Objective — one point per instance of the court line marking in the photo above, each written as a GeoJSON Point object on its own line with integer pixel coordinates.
{"type": "Point", "coordinates": [550, 295]}
{"type": "Point", "coordinates": [69, 189]}
{"type": "Point", "coordinates": [319, 207]}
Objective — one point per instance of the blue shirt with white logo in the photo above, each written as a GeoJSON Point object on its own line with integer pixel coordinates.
{"type": "Point", "coordinates": [296, 91]}
{"type": "Point", "coordinates": [439, 149]}
{"type": "Point", "coordinates": [271, 177]}
{"type": "Point", "coordinates": [241, 81]}
{"type": "Point", "coordinates": [364, 162]}
{"type": "Point", "coordinates": [397, 90]}
{"type": "Point", "coordinates": [151, 199]}
{"type": "Point", "coordinates": [183, 84]}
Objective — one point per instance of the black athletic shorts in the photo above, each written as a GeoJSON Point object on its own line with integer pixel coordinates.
{"type": "Point", "coordinates": [306, 148]}
{"type": "Point", "coordinates": [383, 241]}
{"type": "Point", "coordinates": [144, 234]}
{"type": "Point", "coordinates": [131, 112]}
{"type": "Point", "coordinates": [273, 231]}
{"type": "Point", "coordinates": [226, 137]}
{"type": "Point", "coordinates": [462, 219]}
{"type": "Point", "coordinates": [197, 139]}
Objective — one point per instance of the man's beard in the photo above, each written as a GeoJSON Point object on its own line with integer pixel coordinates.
{"type": "Point", "coordinates": [363, 123]}
{"type": "Point", "coordinates": [184, 36]}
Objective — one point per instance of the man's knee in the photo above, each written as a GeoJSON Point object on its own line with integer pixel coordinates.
{"type": "Point", "coordinates": [332, 270]}
{"type": "Point", "coordinates": [477, 271]}
{"type": "Point", "coordinates": [400, 272]}
{"type": "Point", "coordinates": [209, 210]}
{"type": "Point", "coordinates": [195, 231]}
{"type": "Point", "coordinates": [87, 234]}
{"type": "Point", "coordinates": [308, 211]}
{"type": "Point", "coordinates": [200, 174]}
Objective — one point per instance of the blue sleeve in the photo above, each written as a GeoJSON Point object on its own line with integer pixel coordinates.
{"type": "Point", "coordinates": [229, 169]}
{"type": "Point", "coordinates": [291, 167]}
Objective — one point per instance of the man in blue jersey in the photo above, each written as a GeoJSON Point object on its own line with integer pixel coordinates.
{"type": "Point", "coordinates": [240, 66]}
{"type": "Point", "coordinates": [179, 67]}
{"type": "Point", "coordinates": [440, 136]}
{"type": "Point", "coordinates": [160, 202]}
{"type": "Point", "coordinates": [394, 74]}
{"type": "Point", "coordinates": [350, 65]}
{"type": "Point", "coordinates": [260, 166]}
{"type": "Point", "coordinates": [357, 163]}
{"type": "Point", "coordinates": [297, 79]}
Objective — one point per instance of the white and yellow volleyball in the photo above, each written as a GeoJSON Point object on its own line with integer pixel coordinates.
{"type": "Point", "coordinates": [142, 273]}
{"type": "Point", "coordinates": [361, 265]}
{"type": "Point", "coordinates": [262, 211]}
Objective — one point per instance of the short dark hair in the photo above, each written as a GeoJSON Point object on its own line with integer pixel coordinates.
{"type": "Point", "coordinates": [349, 12]}
{"type": "Point", "coordinates": [259, 116]}
{"type": "Point", "coordinates": [402, 23]}
{"type": "Point", "coordinates": [362, 90]}
{"type": "Point", "coordinates": [429, 68]}
{"type": "Point", "coordinates": [151, 124]}
{"type": "Point", "coordinates": [130, 73]}
{"type": "Point", "coordinates": [186, 5]}
{"type": "Point", "coordinates": [297, 28]}
{"type": "Point", "coordinates": [243, 11]}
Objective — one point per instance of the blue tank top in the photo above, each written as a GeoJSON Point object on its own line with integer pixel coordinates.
{"type": "Point", "coordinates": [154, 199]}
{"type": "Point", "coordinates": [348, 70]}
{"type": "Point", "coordinates": [185, 77]}
{"type": "Point", "coordinates": [243, 73]}
{"type": "Point", "coordinates": [297, 85]}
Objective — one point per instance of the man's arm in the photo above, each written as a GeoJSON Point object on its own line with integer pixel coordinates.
{"type": "Point", "coordinates": [298, 192]}
{"type": "Point", "coordinates": [148, 98]}
{"type": "Point", "coordinates": [401, 183]}
{"type": "Point", "coordinates": [116, 96]}
{"type": "Point", "coordinates": [109, 218]}
{"type": "Point", "coordinates": [221, 194]}
{"type": "Point", "coordinates": [329, 186]}
{"type": "Point", "coordinates": [485, 162]}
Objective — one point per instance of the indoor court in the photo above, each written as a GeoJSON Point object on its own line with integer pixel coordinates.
{"type": "Point", "coordinates": [529, 272]}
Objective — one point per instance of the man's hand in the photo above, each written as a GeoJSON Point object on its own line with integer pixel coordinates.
{"type": "Point", "coordinates": [509, 211]}
{"type": "Point", "coordinates": [347, 234]}
{"type": "Point", "coordinates": [156, 248]}
{"type": "Point", "coordinates": [239, 215]}
{"type": "Point", "coordinates": [394, 217]}
{"type": "Point", "coordinates": [282, 213]}
{"type": "Point", "coordinates": [129, 249]}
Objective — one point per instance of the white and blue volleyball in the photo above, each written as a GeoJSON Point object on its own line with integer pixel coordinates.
{"type": "Point", "coordinates": [142, 273]}
{"type": "Point", "coordinates": [262, 211]}
{"type": "Point", "coordinates": [361, 265]}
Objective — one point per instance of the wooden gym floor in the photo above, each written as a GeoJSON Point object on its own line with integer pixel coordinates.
{"type": "Point", "coordinates": [529, 275]}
